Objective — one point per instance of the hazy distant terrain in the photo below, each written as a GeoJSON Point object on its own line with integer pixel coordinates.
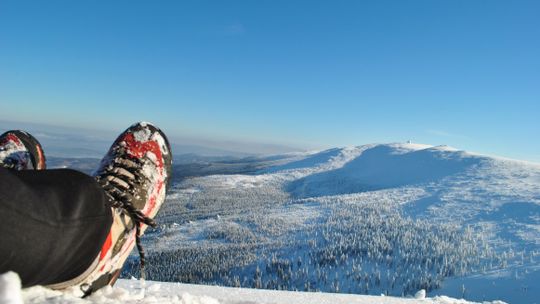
{"type": "Point", "coordinates": [66, 142]}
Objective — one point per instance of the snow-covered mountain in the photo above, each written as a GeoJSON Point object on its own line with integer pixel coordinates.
{"type": "Point", "coordinates": [372, 219]}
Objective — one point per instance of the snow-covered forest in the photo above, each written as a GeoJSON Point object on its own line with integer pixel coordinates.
{"type": "Point", "coordinates": [374, 219]}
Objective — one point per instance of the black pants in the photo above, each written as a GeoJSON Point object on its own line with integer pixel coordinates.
{"type": "Point", "coordinates": [53, 224]}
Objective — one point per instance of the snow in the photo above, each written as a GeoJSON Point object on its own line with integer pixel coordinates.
{"type": "Point", "coordinates": [494, 200]}
{"type": "Point", "coordinates": [10, 288]}
{"type": "Point", "coordinates": [421, 294]}
{"type": "Point", "coordinates": [133, 291]}
{"type": "Point", "coordinates": [386, 166]}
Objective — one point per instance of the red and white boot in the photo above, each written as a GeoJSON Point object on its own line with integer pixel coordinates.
{"type": "Point", "coordinates": [134, 174]}
{"type": "Point", "coordinates": [21, 151]}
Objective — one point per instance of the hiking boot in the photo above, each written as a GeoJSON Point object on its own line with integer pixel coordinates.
{"type": "Point", "coordinates": [21, 151]}
{"type": "Point", "coordinates": [134, 175]}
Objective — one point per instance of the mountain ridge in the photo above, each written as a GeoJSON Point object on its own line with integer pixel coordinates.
{"type": "Point", "coordinates": [370, 219]}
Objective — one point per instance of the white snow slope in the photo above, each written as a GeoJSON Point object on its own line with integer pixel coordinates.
{"type": "Point", "coordinates": [132, 291]}
{"type": "Point", "coordinates": [314, 206]}
{"type": "Point", "coordinates": [347, 220]}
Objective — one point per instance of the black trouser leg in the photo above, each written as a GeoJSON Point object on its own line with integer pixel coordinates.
{"type": "Point", "coordinates": [52, 224]}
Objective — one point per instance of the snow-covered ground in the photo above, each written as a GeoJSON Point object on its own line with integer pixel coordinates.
{"type": "Point", "coordinates": [375, 219]}
{"type": "Point", "coordinates": [372, 219]}
{"type": "Point", "coordinates": [132, 291]}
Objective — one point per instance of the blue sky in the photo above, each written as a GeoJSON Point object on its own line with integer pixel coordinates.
{"type": "Point", "coordinates": [307, 74]}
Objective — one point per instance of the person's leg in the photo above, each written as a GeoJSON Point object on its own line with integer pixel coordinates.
{"type": "Point", "coordinates": [60, 231]}
{"type": "Point", "coordinates": [53, 224]}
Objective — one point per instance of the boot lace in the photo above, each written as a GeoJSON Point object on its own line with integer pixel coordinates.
{"type": "Point", "coordinates": [13, 162]}
{"type": "Point", "coordinates": [9, 165]}
{"type": "Point", "coordinates": [119, 180]}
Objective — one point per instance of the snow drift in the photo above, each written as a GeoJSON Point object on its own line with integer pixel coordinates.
{"type": "Point", "coordinates": [132, 291]}
{"type": "Point", "coordinates": [371, 219]}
